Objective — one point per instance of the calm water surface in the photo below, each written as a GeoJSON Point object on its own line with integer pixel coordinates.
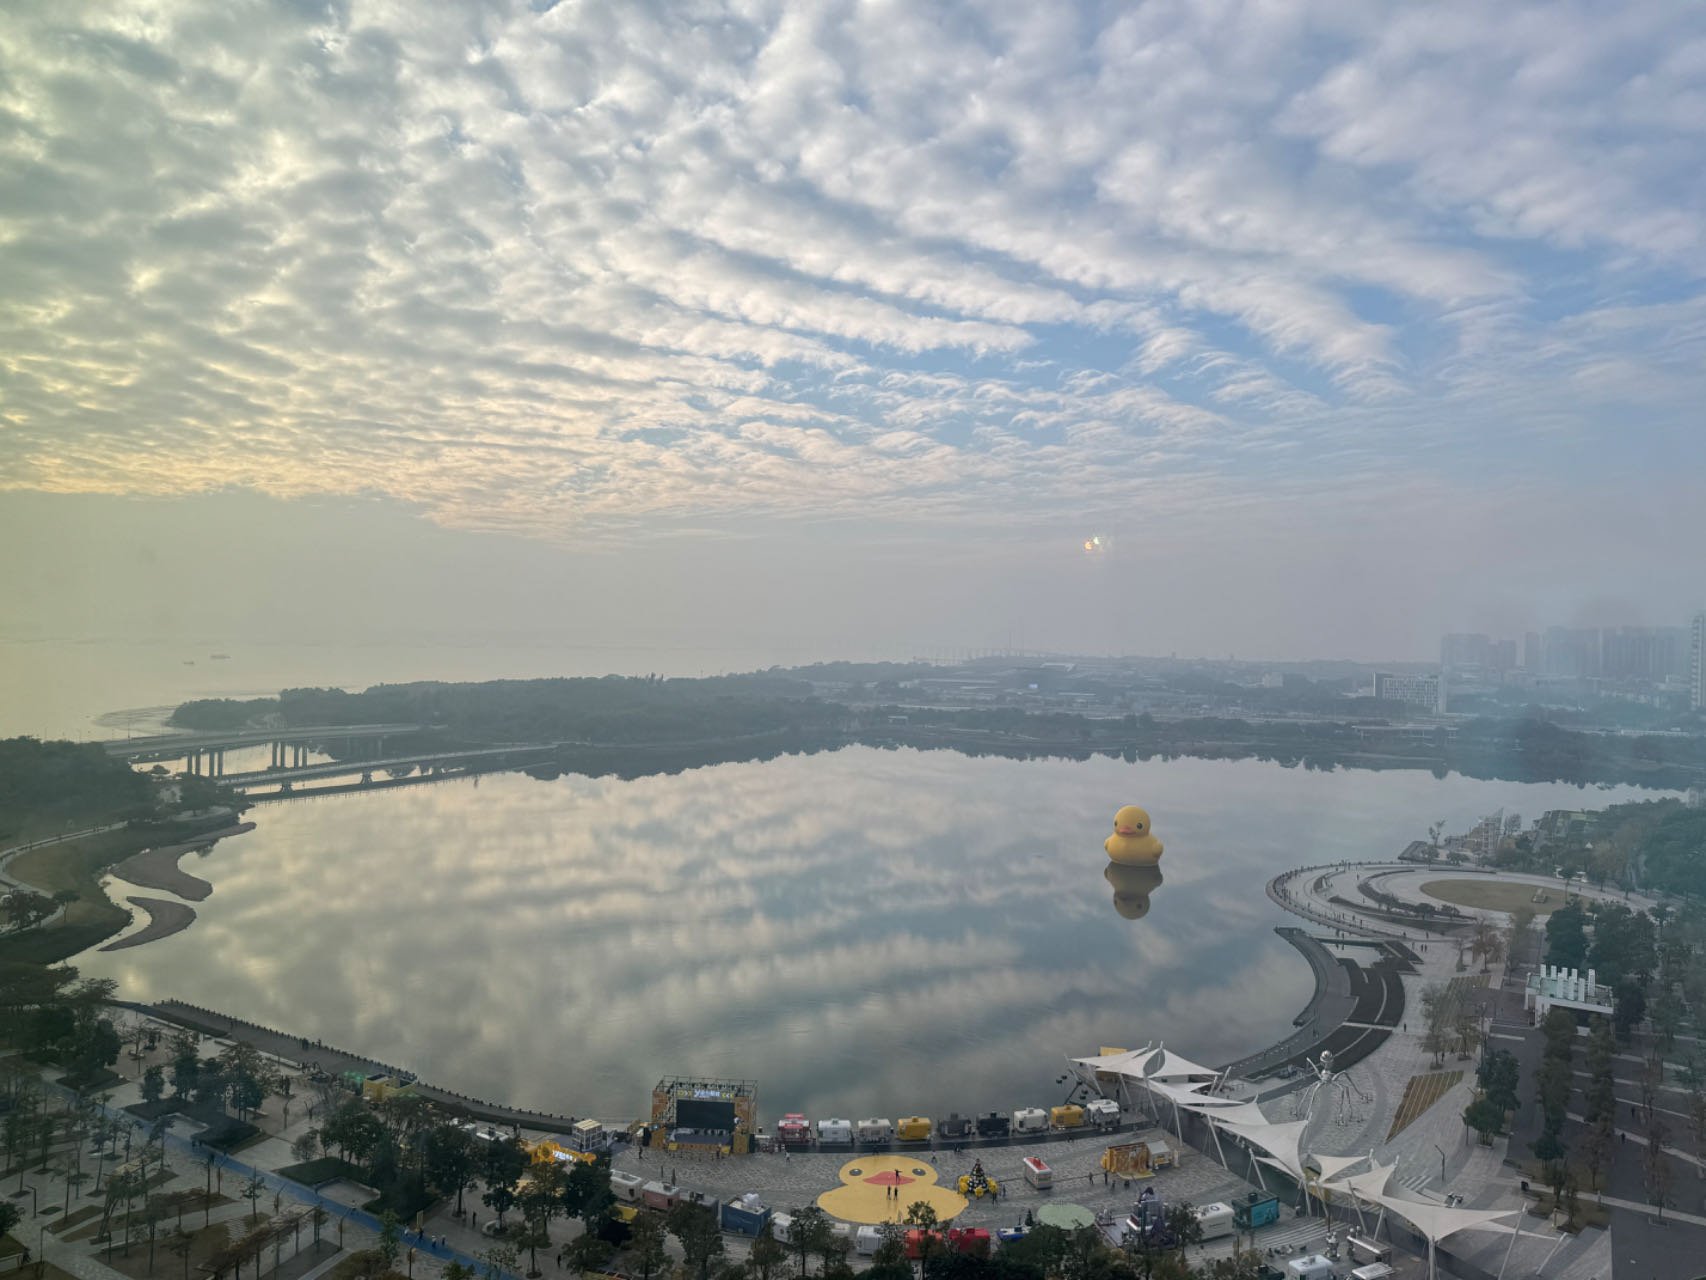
{"type": "Point", "coordinates": [862, 932]}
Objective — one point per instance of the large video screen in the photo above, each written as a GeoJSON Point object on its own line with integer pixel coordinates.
{"type": "Point", "coordinates": [696, 1113]}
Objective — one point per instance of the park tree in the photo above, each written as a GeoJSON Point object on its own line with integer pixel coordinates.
{"type": "Point", "coordinates": [184, 1060]}
{"type": "Point", "coordinates": [811, 1224]}
{"type": "Point", "coordinates": [586, 1191]}
{"type": "Point", "coordinates": [540, 1200]}
{"type": "Point", "coordinates": [1487, 944]}
{"type": "Point", "coordinates": [1436, 1021]}
{"type": "Point", "coordinates": [354, 1131]}
{"type": "Point", "coordinates": [1598, 1148]}
{"type": "Point", "coordinates": [154, 1212]}
{"type": "Point", "coordinates": [153, 1083]}
{"type": "Point", "coordinates": [10, 1216]}
{"type": "Point", "coordinates": [1656, 1166]}
{"type": "Point", "coordinates": [646, 1246]}
{"type": "Point", "coordinates": [586, 1252]}
{"type": "Point", "coordinates": [1499, 1075]}
{"type": "Point", "coordinates": [1549, 1149]}
{"type": "Point", "coordinates": [1519, 933]}
{"type": "Point", "coordinates": [306, 1145]}
{"type": "Point", "coordinates": [501, 1167]}
{"type": "Point", "coordinates": [1485, 1117]}
{"type": "Point", "coordinates": [252, 1190]}
{"type": "Point", "coordinates": [119, 1189]}
{"type": "Point", "coordinates": [695, 1228]}
{"type": "Point", "coordinates": [390, 1243]}
{"type": "Point", "coordinates": [1667, 1014]}
{"type": "Point", "coordinates": [450, 1160]}
{"type": "Point", "coordinates": [1566, 937]}
{"type": "Point", "coordinates": [1629, 1008]}
{"type": "Point", "coordinates": [180, 1244]}
{"type": "Point", "coordinates": [891, 1248]}
{"type": "Point", "coordinates": [94, 1046]}
{"type": "Point", "coordinates": [768, 1253]}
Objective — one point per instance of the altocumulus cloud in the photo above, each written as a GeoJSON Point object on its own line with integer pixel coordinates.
{"type": "Point", "coordinates": [559, 268]}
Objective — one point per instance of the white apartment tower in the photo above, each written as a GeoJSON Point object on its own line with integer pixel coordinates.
{"type": "Point", "coordinates": [1697, 662]}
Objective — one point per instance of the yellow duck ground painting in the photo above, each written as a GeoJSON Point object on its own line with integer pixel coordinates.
{"type": "Point", "coordinates": [866, 1183]}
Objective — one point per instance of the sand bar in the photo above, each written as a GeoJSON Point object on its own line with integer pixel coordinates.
{"type": "Point", "coordinates": [158, 868]}
{"type": "Point", "coordinates": [164, 919]}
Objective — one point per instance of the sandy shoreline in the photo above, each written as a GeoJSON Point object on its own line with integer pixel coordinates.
{"type": "Point", "coordinates": [158, 868]}
{"type": "Point", "coordinates": [164, 919]}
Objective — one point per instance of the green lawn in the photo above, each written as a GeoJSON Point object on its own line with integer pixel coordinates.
{"type": "Point", "coordinates": [1492, 894]}
{"type": "Point", "coordinates": [76, 865]}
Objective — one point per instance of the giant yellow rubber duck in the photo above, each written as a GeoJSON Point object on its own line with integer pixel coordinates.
{"type": "Point", "coordinates": [1132, 887]}
{"type": "Point", "coordinates": [1132, 843]}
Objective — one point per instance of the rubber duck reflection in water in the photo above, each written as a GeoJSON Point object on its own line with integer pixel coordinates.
{"type": "Point", "coordinates": [1133, 843]}
{"type": "Point", "coordinates": [1132, 887]}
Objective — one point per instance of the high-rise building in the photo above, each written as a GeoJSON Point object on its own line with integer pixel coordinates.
{"type": "Point", "coordinates": [1531, 652]}
{"type": "Point", "coordinates": [1420, 691]}
{"type": "Point", "coordinates": [1644, 653]}
{"type": "Point", "coordinates": [1465, 650]}
{"type": "Point", "coordinates": [1571, 652]}
{"type": "Point", "coordinates": [1696, 662]}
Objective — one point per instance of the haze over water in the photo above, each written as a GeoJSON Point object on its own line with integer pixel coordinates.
{"type": "Point", "coordinates": [863, 932]}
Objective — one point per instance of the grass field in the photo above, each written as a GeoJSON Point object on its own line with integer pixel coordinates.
{"type": "Point", "coordinates": [1495, 895]}
{"type": "Point", "coordinates": [75, 865]}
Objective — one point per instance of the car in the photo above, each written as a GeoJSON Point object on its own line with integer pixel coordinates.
{"type": "Point", "coordinates": [1012, 1235]}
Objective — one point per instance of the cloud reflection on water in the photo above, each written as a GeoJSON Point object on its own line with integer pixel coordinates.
{"type": "Point", "coordinates": [864, 932]}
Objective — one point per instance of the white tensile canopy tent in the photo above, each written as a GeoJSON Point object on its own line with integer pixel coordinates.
{"type": "Point", "coordinates": [1153, 1067]}
{"type": "Point", "coordinates": [1433, 1221]}
{"type": "Point", "coordinates": [1178, 1081]}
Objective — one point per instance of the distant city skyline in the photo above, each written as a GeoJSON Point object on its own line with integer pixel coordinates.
{"type": "Point", "coordinates": [1289, 331]}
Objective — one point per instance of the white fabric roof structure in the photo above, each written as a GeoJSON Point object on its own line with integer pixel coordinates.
{"type": "Point", "coordinates": [1225, 1110]}
{"type": "Point", "coordinates": [1114, 1061]}
{"type": "Point", "coordinates": [1167, 1065]}
{"type": "Point", "coordinates": [1368, 1184]}
{"type": "Point", "coordinates": [1437, 1221]}
{"type": "Point", "coordinates": [1278, 1140]}
{"type": "Point", "coordinates": [1333, 1166]}
{"type": "Point", "coordinates": [1152, 1062]}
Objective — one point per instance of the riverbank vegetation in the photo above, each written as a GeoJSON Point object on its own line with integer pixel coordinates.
{"type": "Point", "coordinates": [734, 717]}
{"type": "Point", "coordinates": [47, 787]}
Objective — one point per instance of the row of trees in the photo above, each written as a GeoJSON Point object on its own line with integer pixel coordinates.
{"type": "Point", "coordinates": [1495, 1098]}
{"type": "Point", "coordinates": [1081, 1254]}
{"type": "Point", "coordinates": [1597, 1145]}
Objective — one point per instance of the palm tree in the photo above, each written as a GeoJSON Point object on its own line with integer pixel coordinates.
{"type": "Point", "coordinates": [1488, 945]}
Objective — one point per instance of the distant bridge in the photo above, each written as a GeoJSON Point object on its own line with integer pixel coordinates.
{"type": "Point", "coordinates": [481, 757]}
{"type": "Point", "coordinates": [205, 752]}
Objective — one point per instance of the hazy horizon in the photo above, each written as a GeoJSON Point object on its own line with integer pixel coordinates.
{"type": "Point", "coordinates": [837, 330]}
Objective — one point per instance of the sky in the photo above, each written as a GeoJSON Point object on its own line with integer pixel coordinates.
{"type": "Point", "coordinates": [837, 329]}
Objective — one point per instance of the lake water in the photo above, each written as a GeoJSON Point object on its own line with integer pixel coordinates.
{"type": "Point", "coordinates": [862, 932]}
